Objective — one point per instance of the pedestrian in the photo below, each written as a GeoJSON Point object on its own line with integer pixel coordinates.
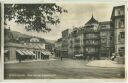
{"type": "Point", "coordinates": [20, 59]}
{"type": "Point", "coordinates": [61, 58]}
{"type": "Point", "coordinates": [88, 58]}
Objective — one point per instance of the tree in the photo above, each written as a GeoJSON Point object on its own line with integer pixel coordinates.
{"type": "Point", "coordinates": [35, 17]}
{"type": "Point", "coordinates": [0, 25]}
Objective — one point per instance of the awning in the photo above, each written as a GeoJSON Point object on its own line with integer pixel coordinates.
{"type": "Point", "coordinates": [32, 53]}
{"type": "Point", "coordinates": [20, 52]}
{"type": "Point", "coordinates": [46, 53]}
{"type": "Point", "coordinates": [25, 52]}
{"type": "Point", "coordinates": [28, 52]}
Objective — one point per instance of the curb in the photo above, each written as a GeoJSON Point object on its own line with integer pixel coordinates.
{"type": "Point", "coordinates": [28, 61]}
{"type": "Point", "coordinates": [104, 67]}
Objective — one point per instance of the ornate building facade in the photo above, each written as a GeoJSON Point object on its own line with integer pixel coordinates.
{"type": "Point", "coordinates": [96, 40]}
{"type": "Point", "coordinates": [91, 39]}
{"type": "Point", "coordinates": [75, 41]}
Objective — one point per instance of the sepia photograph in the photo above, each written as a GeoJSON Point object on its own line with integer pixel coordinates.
{"type": "Point", "coordinates": [64, 41]}
{"type": "Point", "coordinates": [0, 44]}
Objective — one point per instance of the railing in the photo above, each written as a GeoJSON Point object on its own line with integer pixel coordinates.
{"type": "Point", "coordinates": [91, 44]}
{"type": "Point", "coordinates": [92, 38]}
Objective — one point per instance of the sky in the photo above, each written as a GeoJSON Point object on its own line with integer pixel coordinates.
{"type": "Point", "coordinates": [78, 14]}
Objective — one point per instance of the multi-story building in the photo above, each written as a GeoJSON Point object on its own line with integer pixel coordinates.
{"type": "Point", "coordinates": [118, 23]}
{"type": "Point", "coordinates": [75, 41]}
{"type": "Point", "coordinates": [57, 49]}
{"type": "Point", "coordinates": [96, 39]}
{"type": "Point", "coordinates": [91, 39]}
{"type": "Point", "coordinates": [106, 39]}
{"type": "Point", "coordinates": [64, 46]}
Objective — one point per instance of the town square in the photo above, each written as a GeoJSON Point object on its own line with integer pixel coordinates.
{"type": "Point", "coordinates": [64, 41]}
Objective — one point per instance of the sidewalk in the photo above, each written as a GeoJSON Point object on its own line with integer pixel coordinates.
{"type": "Point", "coordinates": [27, 61]}
{"type": "Point", "coordinates": [104, 63]}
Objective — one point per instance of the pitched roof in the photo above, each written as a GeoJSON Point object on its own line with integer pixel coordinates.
{"type": "Point", "coordinates": [92, 20]}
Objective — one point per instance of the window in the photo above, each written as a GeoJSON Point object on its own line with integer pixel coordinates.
{"type": "Point", "coordinates": [93, 42]}
{"type": "Point", "coordinates": [122, 35]}
{"type": "Point", "coordinates": [121, 23]}
{"type": "Point", "coordinates": [121, 51]}
{"type": "Point", "coordinates": [103, 40]}
{"type": "Point", "coordinates": [95, 28]}
{"type": "Point", "coordinates": [71, 42]}
{"type": "Point", "coordinates": [87, 49]}
{"type": "Point", "coordinates": [103, 34]}
{"type": "Point", "coordinates": [122, 48]}
{"type": "Point", "coordinates": [119, 12]}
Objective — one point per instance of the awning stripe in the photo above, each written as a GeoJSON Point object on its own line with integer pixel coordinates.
{"type": "Point", "coordinates": [25, 52]}
{"type": "Point", "coordinates": [46, 53]}
{"type": "Point", "coordinates": [28, 52]}
{"type": "Point", "coordinates": [32, 53]}
{"type": "Point", "coordinates": [20, 52]}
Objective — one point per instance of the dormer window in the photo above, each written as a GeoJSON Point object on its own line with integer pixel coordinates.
{"type": "Point", "coordinates": [119, 12]}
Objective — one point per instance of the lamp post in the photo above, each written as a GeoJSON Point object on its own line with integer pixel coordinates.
{"type": "Point", "coordinates": [109, 53]}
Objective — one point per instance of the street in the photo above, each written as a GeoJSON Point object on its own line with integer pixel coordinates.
{"type": "Point", "coordinates": [57, 69]}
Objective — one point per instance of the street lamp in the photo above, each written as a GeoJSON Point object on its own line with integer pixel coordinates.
{"type": "Point", "coordinates": [109, 53]}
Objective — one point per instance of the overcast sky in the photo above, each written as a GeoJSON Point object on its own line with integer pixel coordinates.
{"type": "Point", "coordinates": [78, 14]}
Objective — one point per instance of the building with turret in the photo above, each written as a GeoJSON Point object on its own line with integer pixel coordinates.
{"type": "Point", "coordinates": [91, 39]}
{"type": "Point", "coordinates": [96, 40]}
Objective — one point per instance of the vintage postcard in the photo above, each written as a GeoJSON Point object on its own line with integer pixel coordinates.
{"type": "Point", "coordinates": [64, 40]}
{"type": "Point", "coordinates": [0, 45]}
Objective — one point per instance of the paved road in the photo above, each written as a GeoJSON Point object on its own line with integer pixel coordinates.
{"type": "Point", "coordinates": [64, 69]}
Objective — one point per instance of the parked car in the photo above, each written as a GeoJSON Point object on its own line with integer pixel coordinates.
{"type": "Point", "coordinates": [79, 56]}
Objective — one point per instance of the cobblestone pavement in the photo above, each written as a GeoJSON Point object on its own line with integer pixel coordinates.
{"type": "Point", "coordinates": [57, 69]}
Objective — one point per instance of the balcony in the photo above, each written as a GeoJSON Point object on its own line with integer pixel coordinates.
{"type": "Point", "coordinates": [91, 38]}
{"type": "Point", "coordinates": [91, 44]}
{"type": "Point", "coordinates": [91, 30]}
{"type": "Point", "coordinates": [77, 44]}
{"type": "Point", "coordinates": [91, 52]}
